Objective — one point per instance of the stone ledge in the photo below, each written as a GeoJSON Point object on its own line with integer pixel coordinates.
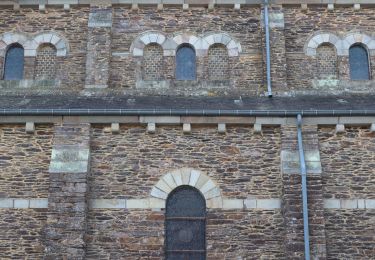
{"type": "Point", "coordinates": [174, 2]}
{"type": "Point", "coordinates": [19, 203]}
{"type": "Point", "coordinates": [155, 203]}
{"type": "Point", "coordinates": [349, 203]}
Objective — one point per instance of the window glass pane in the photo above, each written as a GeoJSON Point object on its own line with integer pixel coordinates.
{"type": "Point", "coordinates": [359, 66]}
{"type": "Point", "coordinates": [185, 63]}
{"type": "Point", "coordinates": [185, 224]}
{"type": "Point", "coordinates": [14, 63]}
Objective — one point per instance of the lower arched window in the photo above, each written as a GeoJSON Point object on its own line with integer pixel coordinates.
{"type": "Point", "coordinates": [359, 63]}
{"type": "Point", "coordinates": [185, 224]}
{"type": "Point", "coordinates": [185, 63]}
{"type": "Point", "coordinates": [153, 66]}
{"type": "Point", "coordinates": [14, 62]}
{"type": "Point", "coordinates": [218, 61]}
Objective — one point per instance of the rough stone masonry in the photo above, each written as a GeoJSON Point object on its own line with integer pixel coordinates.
{"type": "Point", "coordinates": [92, 185]}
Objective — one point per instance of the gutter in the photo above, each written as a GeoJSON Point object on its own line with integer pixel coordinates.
{"type": "Point", "coordinates": [304, 188]}
{"type": "Point", "coordinates": [268, 51]}
{"type": "Point", "coordinates": [183, 112]}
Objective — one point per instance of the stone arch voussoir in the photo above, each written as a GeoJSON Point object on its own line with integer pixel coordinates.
{"type": "Point", "coordinates": [10, 38]}
{"type": "Point", "coordinates": [320, 38]}
{"type": "Point", "coordinates": [52, 38]}
{"type": "Point", "coordinates": [190, 177]}
{"type": "Point", "coordinates": [233, 46]}
{"type": "Point", "coordinates": [195, 41]}
{"type": "Point", "coordinates": [358, 38]}
{"type": "Point", "coordinates": [146, 38]}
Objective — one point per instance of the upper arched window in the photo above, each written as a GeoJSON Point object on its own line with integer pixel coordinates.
{"type": "Point", "coordinates": [185, 63]}
{"type": "Point", "coordinates": [46, 62]}
{"type": "Point", "coordinates": [185, 224]}
{"type": "Point", "coordinates": [153, 66]}
{"type": "Point", "coordinates": [359, 63]}
{"type": "Point", "coordinates": [326, 61]}
{"type": "Point", "coordinates": [218, 62]}
{"type": "Point", "coordinates": [14, 62]}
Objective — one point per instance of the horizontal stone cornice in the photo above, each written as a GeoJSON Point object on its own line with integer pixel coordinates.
{"type": "Point", "coordinates": [180, 2]}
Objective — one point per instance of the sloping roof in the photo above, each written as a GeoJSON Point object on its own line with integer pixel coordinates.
{"type": "Point", "coordinates": [350, 102]}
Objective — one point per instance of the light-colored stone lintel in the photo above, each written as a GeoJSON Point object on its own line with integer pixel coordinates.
{"type": "Point", "coordinates": [157, 203]}
{"type": "Point", "coordinates": [19, 203]}
{"type": "Point", "coordinates": [174, 2]}
{"type": "Point", "coordinates": [349, 203]}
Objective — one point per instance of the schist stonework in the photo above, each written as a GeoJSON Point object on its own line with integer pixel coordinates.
{"type": "Point", "coordinates": [190, 129]}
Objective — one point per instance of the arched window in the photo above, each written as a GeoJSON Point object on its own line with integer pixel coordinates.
{"type": "Point", "coordinates": [218, 62]}
{"type": "Point", "coordinates": [326, 61]}
{"type": "Point", "coordinates": [153, 66]}
{"type": "Point", "coordinates": [359, 63]}
{"type": "Point", "coordinates": [46, 62]}
{"type": "Point", "coordinates": [185, 224]}
{"type": "Point", "coordinates": [185, 63]}
{"type": "Point", "coordinates": [14, 60]}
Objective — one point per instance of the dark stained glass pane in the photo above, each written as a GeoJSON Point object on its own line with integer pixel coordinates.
{"type": "Point", "coordinates": [359, 66]}
{"type": "Point", "coordinates": [186, 224]}
{"type": "Point", "coordinates": [185, 63]}
{"type": "Point", "coordinates": [14, 63]}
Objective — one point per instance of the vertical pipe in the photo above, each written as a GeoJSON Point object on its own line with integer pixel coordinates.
{"type": "Point", "coordinates": [268, 51]}
{"type": "Point", "coordinates": [304, 188]}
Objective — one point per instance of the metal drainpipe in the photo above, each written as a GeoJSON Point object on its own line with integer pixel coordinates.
{"type": "Point", "coordinates": [268, 51]}
{"type": "Point", "coordinates": [304, 188]}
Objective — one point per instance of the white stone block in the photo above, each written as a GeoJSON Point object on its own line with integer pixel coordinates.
{"type": "Point", "coordinates": [61, 52]}
{"type": "Point", "coordinates": [55, 39]}
{"type": "Point", "coordinates": [185, 175]}
{"type": "Point", "coordinates": [21, 203]}
{"type": "Point", "coordinates": [155, 192]}
{"type": "Point", "coordinates": [6, 203]}
{"type": "Point", "coordinates": [153, 37]}
{"type": "Point", "coordinates": [108, 203]}
{"type": "Point", "coordinates": [361, 203]}
{"type": "Point", "coordinates": [160, 7]}
{"type": "Point", "coordinates": [349, 204]}
{"type": "Point", "coordinates": [250, 203]}
{"type": "Point", "coordinates": [161, 185]}
{"type": "Point", "coordinates": [134, 7]}
{"type": "Point", "coordinates": [304, 6]}
{"type": "Point", "coordinates": [30, 53]}
{"type": "Point", "coordinates": [201, 181]}
{"type": "Point", "coordinates": [115, 128]}
{"type": "Point", "coordinates": [232, 204]}
{"type": "Point", "coordinates": [38, 203]}
{"type": "Point", "coordinates": [237, 6]}
{"type": "Point", "coordinates": [137, 204]}
{"type": "Point", "coordinates": [186, 128]}
{"type": "Point", "coordinates": [330, 6]}
{"type": "Point", "coordinates": [194, 176]}
{"type": "Point", "coordinates": [372, 128]}
{"type": "Point", "coordinates": [185, 6]}
{"type": "Point", "coordinates": [151, 128]}
{"type": "Point", "coordinates": [268, 203]}
{"type": "Point", "coordinates": [257, 128]}
{"type": "Point", "coordinates": [30, 127]}
{"type": "Point", "coordinates": [42, 7]}
{"type": "Point", "coordinates": [209, 185]}
{"type": "Point", "coordinates": [215, 203]}
{"type": "Point", "coordinates": [215, 192]}
{"type": "Point", "coordinates": [67, 7]}
{"type": "Point", "coordinates": [155, 203]}
{"type": "Point", "coordinates": [370, 203]}
{"type": "Point", "coordinates": [340, 128]}
{"type": "Point", "coordinates": [357, 6]}
{"type": "Point", "coordinates": [137, 52]}
{"type": "Point", "coordinates": [177, 178]}
{"type": "Point", "coordinates": [169, 180]}
{"type": "Point", "coordinates": [161, 39]}
{"type": "Point", "coordinates": [332, 204]}
{"type": "Point", "coordinates": [221, 128]}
